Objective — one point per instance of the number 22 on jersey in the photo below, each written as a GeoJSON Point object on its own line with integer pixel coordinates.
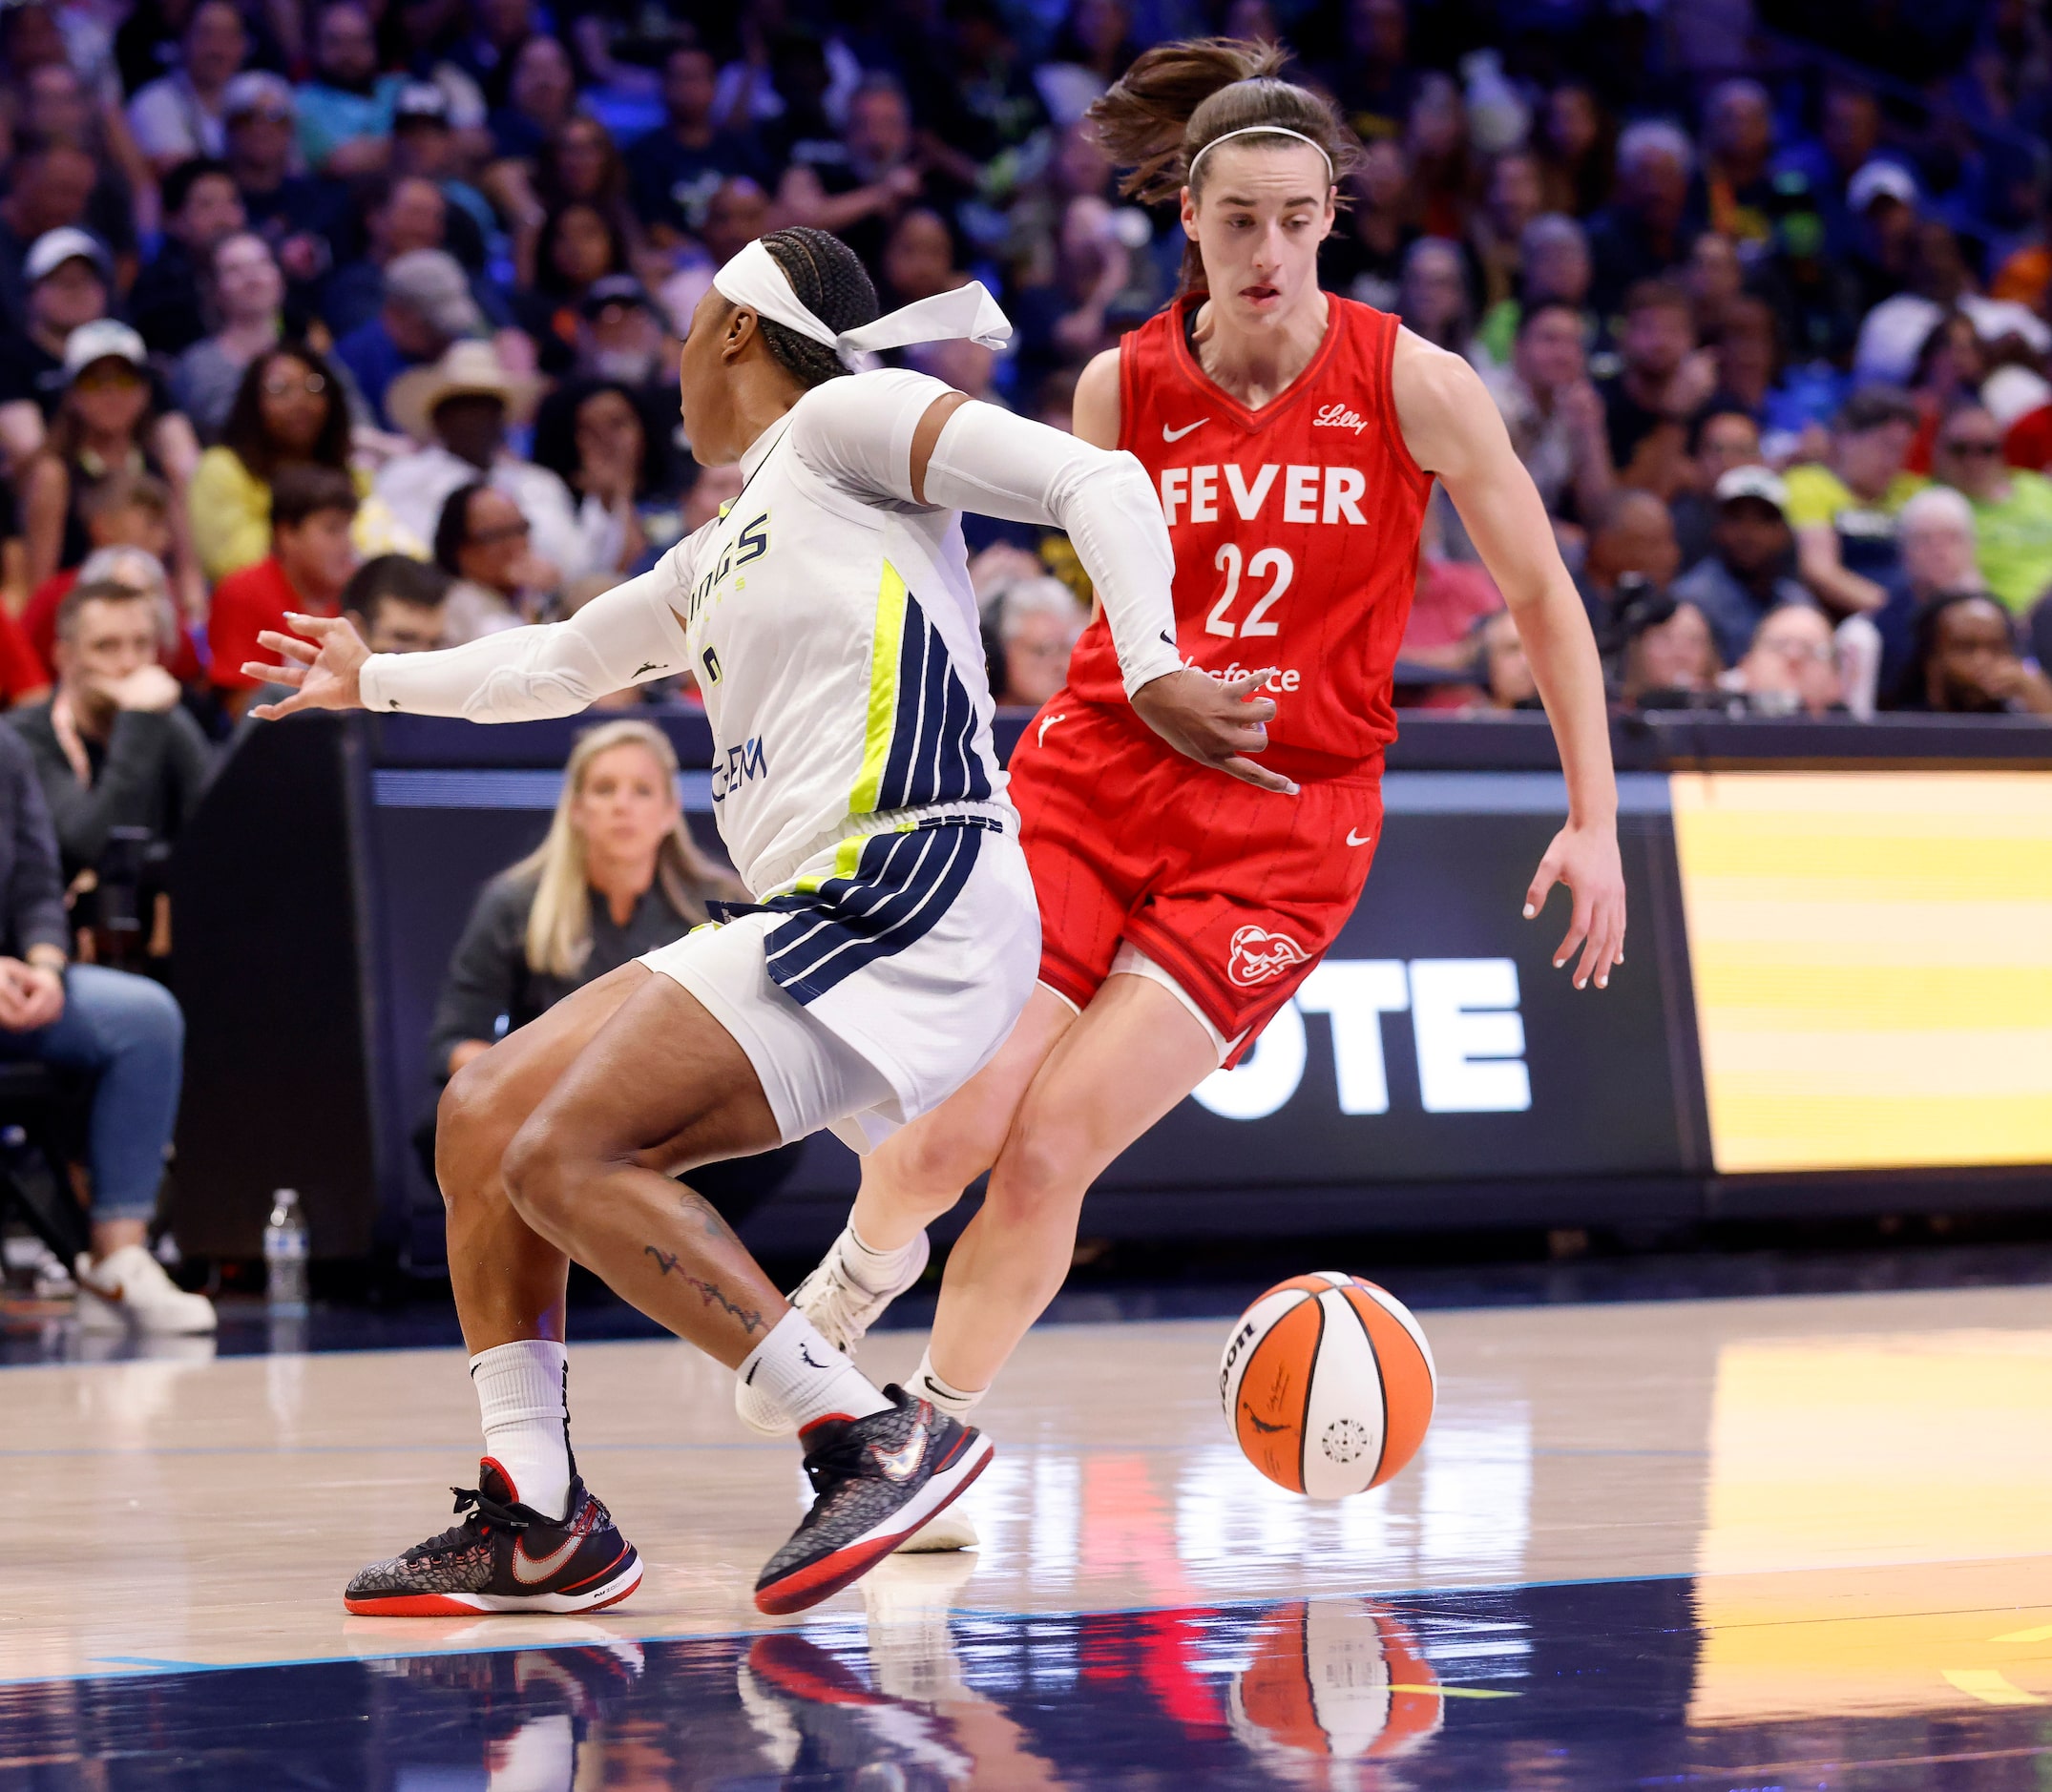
{"type": "Point", "coordinates": [1272, 562]}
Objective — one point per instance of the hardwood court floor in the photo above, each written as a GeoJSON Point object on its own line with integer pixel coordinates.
{"type": "Point", "coordinates": [1827, 1511]}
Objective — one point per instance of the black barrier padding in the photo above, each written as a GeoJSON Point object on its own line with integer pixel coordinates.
{"type": "Point", "coordinates": [267, 969]}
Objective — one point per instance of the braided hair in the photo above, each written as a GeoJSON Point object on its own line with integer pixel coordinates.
{"type": "Point", "coordinates": [831, 283]}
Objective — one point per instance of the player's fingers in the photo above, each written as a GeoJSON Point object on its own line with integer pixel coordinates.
{"type": "Point", "coordinates": [1612, 933]}
{"type": "Point", "coordinates": [1594, 967]}
{"type": "Point", "coordinates": [1256, 709]}
{"type": "Point", "coordinates": [1248, 682]}
{"type": "Point", "coordinates": [1578, 931]}
{"type": "Point", "coordinates": [314, 627]}
{"type": "Point", "coordinates": [285, 706]}
{"type": "Point", "coordinates": [1259, 776]}
{"type": "Point", "coordinates": [289, 645]}
{"type": "Point", "coordinates": [274, 675]}
{"type": "Point", "coordinates": [1541, 886]}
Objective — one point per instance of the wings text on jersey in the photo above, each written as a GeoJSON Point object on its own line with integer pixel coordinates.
{"type": "Point", "coordinates": [1272, 493]}
{"type": "Point", "coordinates": [750, 544]}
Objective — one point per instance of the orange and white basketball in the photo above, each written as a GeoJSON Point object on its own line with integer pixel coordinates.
{"type": "Point", "coordinates": [1327, 1384]}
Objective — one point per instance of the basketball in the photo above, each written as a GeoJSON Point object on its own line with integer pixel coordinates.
{"type": "Point", "coordinates": [1327, 1384]}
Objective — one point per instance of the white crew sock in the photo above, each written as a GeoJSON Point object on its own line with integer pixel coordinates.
{"type": "Point", "coordinates": [945, 1395]}
{"type": "Point", "coordinates": [522, 1396]}
{"type": "Point", "coordinates": [869, 1268]}
{"type": "Point", "coordinates": [808, 1377]}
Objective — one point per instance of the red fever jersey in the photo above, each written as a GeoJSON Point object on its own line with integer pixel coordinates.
{"type": "Point", "coordinates": [1295, 526]}
{"type": "Point", "coordinates": [1296, 537]}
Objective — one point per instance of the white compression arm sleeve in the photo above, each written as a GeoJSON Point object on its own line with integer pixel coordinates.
{"type": "Point", "coordinates": [859, 432]}
{"type": "Point", "coordinates": [998, 465]}
{"type": "Point", "coordinates": [623, 636]}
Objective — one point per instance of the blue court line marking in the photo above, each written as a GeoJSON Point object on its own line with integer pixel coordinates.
{"type": "Point", "coordinates": [154, 1662]}
{"type": "Point", "coordinates": [851, 1626]}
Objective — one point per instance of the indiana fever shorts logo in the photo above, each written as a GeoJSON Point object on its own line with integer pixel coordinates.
{"type": "Point", "coordinates": [1257, 955]}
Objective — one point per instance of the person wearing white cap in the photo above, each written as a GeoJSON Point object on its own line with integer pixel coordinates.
{"type": "Point", "coordinates": [68, 273]}
{"type": "Point", "coordinates": [105, 422]}
{"type": "Point", "coordinates": [830, 619]}
{"type": "Point", "coordinates": [1746, 572]}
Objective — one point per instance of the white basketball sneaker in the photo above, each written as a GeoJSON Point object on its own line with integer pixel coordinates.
{"type": "Point", "coordinates": [948, 1529]}
{"type": "Point", "coordinates": [129, 1291]}
{"type": "Point", "coordinates": [841, 1310]}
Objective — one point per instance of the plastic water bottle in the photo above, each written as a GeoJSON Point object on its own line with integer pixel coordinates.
{"type": "Point", "coordinates": [284, 1255]}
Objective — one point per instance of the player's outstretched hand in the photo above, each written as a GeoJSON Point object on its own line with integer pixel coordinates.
{"type": "Point", "coordinates": [324, 666]}
{"type": "Point", "coordinates": [1585, 859]}
{"type": "Point", "coordinates": [1216, 723]}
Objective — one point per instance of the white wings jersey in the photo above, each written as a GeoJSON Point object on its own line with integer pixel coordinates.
{"type": "Point", "coordinates": [832, 629]}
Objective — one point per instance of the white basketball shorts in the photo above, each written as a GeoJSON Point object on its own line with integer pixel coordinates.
{"type": "Point", "coordinates": [881, 981]}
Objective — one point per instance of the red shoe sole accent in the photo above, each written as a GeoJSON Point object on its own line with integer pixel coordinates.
{"type": "Point", "coordinates": [826, 1576]}
{"type": "Point", "coordinates": [412, 1605]}
{"type": "Point", "coordinates": [442, 1605]}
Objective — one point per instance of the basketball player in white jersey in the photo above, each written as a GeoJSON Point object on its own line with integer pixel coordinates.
{"type": "Point", "coordinates": [828, 619]}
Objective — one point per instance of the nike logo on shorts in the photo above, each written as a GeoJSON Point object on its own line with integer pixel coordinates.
{"type": "Point", "coordinates": [1359, 839]}
{"type": "Point", "coordinates": [1176, 435]}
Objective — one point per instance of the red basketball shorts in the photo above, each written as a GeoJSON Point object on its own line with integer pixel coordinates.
{"type": "Point", "coordinates": [1235, 892]}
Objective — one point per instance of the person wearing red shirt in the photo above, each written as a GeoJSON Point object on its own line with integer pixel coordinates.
{"type": "Point", "coordinates": [125, 509]}
{"type": "Point", "coordinates": [310, 561]}
{"type": "Point", "coordinates": [1293, 436]}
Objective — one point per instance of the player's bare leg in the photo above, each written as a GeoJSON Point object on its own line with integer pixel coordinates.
{"type": "Point", "coordinates": [1131, 1056]}
{"type": "Point", "coordinates": [661, 1086]}
{"type": "Point", "coordinates": [919, 1173]}
{"type": "Point", "coordinates": [508, 1280]}
{"type": "Point", "coordinates": [914, 1177]}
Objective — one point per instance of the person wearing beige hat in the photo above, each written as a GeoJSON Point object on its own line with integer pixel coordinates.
{"type": "Point", "coordinates": [460, 406]}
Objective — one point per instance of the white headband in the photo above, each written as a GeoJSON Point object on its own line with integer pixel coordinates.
{"type": "Point", "coordinates": [1258, 130]}
{"type": "Point", "coordinates": [754, 279]}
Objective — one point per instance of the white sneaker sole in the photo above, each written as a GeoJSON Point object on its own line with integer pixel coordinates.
{"type": "Point", "coordinates": [855, 1558]}
{"type": "Point", "coordinates": [942, 1534]}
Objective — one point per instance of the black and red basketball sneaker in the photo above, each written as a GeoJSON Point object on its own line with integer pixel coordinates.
{"type": "Point", "coordinates": [504, 1557]}
{"type": "Point", "coordinates": [876, 1481]}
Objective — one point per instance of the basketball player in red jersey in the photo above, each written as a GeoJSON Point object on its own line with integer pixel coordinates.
{"type": "Point", "coordinates": [1294, 437]}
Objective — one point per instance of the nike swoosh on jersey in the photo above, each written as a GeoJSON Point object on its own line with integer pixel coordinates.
{"type": "Point", "coordinates": [1176, 435]}
{"type": "Point", "coordinates": [1365, 839]}
{"type": "Point", "coordinates": [901, 1464]}
{"type": "Point", "coordinates": [531, 1570]}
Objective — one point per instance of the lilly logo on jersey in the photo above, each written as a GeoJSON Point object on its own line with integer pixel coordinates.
{"type": "Point", "coordinates": [1307, 495]}
{"type": "Point", "coordinates": [1339, 417]}
{"type": "Point", "coordinates": [740, 765]}
{"type": "Point", "coordinates": [1256, 955]}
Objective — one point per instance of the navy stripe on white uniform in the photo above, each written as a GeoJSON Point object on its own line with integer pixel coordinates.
{"type": "Point", "coordinates": [933, 756]}
{"type": "Point", "coordinates": [903, 884]}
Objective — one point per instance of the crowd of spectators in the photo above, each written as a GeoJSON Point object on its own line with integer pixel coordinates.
{"type": "Point", "coordinates": [289, 286]}
{"type": "Point", "coordinates": [373, 306]}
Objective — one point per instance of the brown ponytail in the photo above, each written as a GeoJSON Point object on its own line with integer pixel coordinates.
{"type": "Point", "coordinates": [1177, 98]}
